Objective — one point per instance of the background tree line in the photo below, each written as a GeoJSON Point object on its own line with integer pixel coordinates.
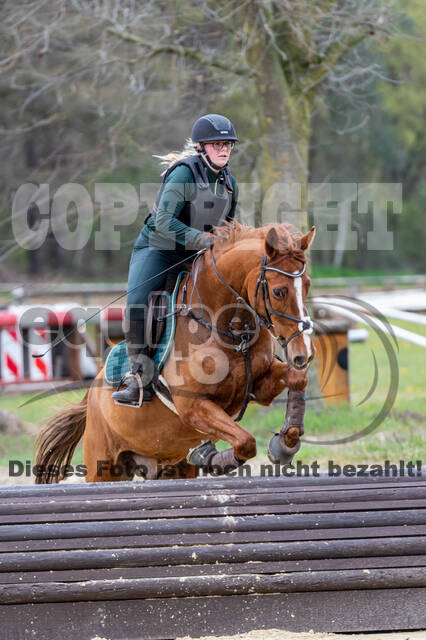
{"type": "Point", "coordinates": [331, 91]}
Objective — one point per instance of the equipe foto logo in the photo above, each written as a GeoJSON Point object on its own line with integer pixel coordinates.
{"type": "Point", "coordinates": [383, 380]}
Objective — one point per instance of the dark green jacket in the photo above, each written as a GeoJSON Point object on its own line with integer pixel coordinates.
{"type": "Point", "coordinates": [167, 230]}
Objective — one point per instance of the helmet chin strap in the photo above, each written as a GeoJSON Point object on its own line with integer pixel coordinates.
{"type": "Point", "coordinates": [212, 164]}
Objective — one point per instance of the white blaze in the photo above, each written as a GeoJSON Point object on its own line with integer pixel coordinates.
{"type": "Point", "coordinates": [299, 298]}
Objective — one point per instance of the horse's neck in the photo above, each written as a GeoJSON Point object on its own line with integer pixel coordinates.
{"type": "Point", "coordinates": [233, 267]}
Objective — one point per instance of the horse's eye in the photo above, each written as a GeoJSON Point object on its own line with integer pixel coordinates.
{"type": "Point", "coordinates": [279, 293]}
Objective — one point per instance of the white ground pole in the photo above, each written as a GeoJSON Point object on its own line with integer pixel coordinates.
{"type": "Point", "coordinates": [348, 308]}
{"type": "Point", "coordinates": [417, 318]}
{"type": "Point", "coordinates": [391, 311]}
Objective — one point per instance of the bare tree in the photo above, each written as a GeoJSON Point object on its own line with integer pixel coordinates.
{"type": "Point", "coordinates": [80, 76]}
{"type": "Point", "coordinates": [283, 50]}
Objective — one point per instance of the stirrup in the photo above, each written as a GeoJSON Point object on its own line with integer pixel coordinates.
{"type": "Point", "coordinates": [120, 384]}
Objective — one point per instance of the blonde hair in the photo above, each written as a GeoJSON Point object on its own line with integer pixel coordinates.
{"type": "Point", "coordinates": [188, 150]}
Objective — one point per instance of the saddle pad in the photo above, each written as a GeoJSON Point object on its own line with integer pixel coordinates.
{"type": "Point", "coordinates": [117, 362]}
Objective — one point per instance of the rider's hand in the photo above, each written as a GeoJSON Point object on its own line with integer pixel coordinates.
{"type": "Point", "coordinates": [205, 241]}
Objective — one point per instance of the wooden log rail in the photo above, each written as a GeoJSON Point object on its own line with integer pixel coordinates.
{"type": "Point", "coordinates": [163, 559]}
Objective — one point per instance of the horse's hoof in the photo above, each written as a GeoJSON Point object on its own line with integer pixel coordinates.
{"type": "Point", "coordinates": [223, 462]}
{"type": "Point", "coordinates": [281, 455]}
{"type": "Point", "coordinates": [200, 456]}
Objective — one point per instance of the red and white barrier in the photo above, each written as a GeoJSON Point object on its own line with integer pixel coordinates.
{"type": "Point", "coordinates": [12, 357]}
{"type": "Point", "coordinates": [38, 341]}
{"type": "Point", "coordinates": [23, 335]}
{"type": "Point", "coordinates": [16, 340]}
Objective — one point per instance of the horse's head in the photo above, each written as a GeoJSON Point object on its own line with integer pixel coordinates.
{"type": "Point", "coordinates": [284, 285]}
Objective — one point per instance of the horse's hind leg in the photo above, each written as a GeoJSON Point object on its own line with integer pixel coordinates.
{"type": "Point", "coordinates": [99, 462]}
{"type": "Point", "coordinates": [180, 470]}
{"type": "Point", "coordinates": [100, 451]}
{"type": "Point", "coordinates": [186, 470]}
{"type": "Point", "coordinates": [210, 419]}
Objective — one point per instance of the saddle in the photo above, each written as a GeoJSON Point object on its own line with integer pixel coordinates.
{"type": "Point", "coordinates": [160, 331]}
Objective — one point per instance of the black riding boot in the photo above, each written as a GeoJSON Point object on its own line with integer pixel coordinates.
{"type": "Point", "coordinates": [140, 375]}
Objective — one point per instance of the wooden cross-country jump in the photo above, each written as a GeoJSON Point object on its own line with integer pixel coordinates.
{"type": "Point", "coordinates": [212, 556]}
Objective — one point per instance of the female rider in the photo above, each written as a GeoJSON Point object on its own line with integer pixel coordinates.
{"type": "Point", "coordinates": [197, 192]}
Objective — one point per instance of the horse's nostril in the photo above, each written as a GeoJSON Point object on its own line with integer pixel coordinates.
{"type": "Point", "coordinates": [299, 361]}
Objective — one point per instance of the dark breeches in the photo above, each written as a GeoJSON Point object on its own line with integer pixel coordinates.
{"type": "Point", "coordinates": [145, 265]}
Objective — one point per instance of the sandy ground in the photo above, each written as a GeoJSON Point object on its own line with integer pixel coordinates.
{"type": "Point", "coordinates": [276, 634]}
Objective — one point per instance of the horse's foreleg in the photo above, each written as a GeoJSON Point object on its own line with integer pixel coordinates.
{"type": "Point", "coordinates": [279, 376]}
{"type": "Point", "coordinates": [209, 419]}
{"type": "Point", "coordinates": [283, 447]}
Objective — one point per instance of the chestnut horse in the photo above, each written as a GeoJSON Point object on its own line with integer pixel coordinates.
{"type": "Point", "coordinates": [252, 285]}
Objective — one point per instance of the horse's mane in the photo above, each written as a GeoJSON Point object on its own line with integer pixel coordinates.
{"type": "Point", "coordinates": [228, 235]}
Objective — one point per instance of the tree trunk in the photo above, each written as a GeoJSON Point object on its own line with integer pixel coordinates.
{"type": "Point", "coordinates": [285, 129]}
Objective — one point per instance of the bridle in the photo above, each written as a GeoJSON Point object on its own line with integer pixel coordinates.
{"type": "Point", "coordinates": [242, 339]}
{"type": "Point", "coordinates": [303, 324]}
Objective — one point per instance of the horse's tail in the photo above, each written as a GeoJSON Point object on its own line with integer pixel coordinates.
{"type": "Point", "coordinates": [56, 442]}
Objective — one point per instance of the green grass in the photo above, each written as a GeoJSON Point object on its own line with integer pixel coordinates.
{"type": "Point", "coordinates": [401, 435]}
{"type": "Point", "coordinates": [21, 447]}
{"type": "Point", "coordinates": [40, 409]}
{"type": "Point", "coordinates": [329, 271]}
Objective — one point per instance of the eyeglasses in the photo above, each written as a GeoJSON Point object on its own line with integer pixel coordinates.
{"type": "Point", "coordinates": [223, 144]}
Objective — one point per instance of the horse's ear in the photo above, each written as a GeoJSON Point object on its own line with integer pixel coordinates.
{"type": "Point", "coordinates": [307, 239]}
{"type": "Point", "coordinates": [271, 243]}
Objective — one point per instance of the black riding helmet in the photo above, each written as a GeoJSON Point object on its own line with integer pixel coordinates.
{"type": "Point", "coordinates": [212, 127]}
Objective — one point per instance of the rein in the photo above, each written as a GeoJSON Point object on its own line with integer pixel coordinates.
{"type": "Point", "coordinates": [241, 340]}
